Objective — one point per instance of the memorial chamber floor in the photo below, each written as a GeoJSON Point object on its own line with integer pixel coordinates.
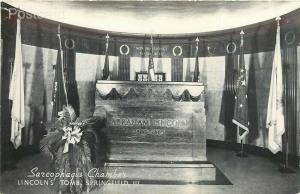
{"type": "Point", "coordinates": [252, 175]}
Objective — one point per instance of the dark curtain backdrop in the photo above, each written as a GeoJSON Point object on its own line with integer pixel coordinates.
{"type": "Point", "coordinates": [290, 68]}
{"type": "Point", "coordinates": [8, 34]}
{"type": "Point", "coordinates": [227, 104]}
{"type": "Point", "coordinates": [253, 113]}
{"type": "Point", "coordinates": [71, 83]}
{"type": "Point", "coordinates": [34, 95]}
{"type": "Point", "coordinates": [177, 69]}
{"type": "Point", "coordinates": [124, 67]}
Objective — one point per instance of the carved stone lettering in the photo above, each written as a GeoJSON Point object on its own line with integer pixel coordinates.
{"type": "Point", "coordinates": [143, 122]}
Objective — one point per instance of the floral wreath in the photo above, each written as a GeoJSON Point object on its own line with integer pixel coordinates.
{"type": "Point", "coordinates": [180, 51]}
{"type": "Point", "coordinates": [127, 49]}
{"type": "Point", "coordinates": [69, 143]}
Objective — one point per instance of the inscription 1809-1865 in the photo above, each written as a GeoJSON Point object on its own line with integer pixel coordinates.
{"type": "Point", "coordinates": [148, 122]}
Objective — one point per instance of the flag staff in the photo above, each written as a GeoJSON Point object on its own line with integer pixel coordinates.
{"type": "Point", "coordinates": [242, 153]}
{"type": "Point", "coordinates": [11, 66]}
{"type": "Point", "coordinates": [196, 70]}
{"type": "Point", "coordinates": [284, 167]}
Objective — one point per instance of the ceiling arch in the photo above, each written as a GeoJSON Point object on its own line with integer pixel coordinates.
{"type": "Point", "coordinates": [167, 17]}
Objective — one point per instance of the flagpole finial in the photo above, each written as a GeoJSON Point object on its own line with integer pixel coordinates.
{"type": "Point", "coordinates": [242, 37]}
{"type": "Point", "coordinates": [106, 44]}
{"type": "Point", "coordinates": [197, 42]}
{"type": "Point", "coordinates": [242, 33]}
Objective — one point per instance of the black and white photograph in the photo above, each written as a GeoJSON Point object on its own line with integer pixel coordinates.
{"type": "Point", "coordinates": [150, 97]}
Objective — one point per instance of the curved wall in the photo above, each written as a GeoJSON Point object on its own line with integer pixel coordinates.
{"type": "Point", "coordinates": [84, 54]}
{"type": "Point", "coordinates": [158, 16]}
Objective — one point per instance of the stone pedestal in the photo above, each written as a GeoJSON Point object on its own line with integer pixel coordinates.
{"type": "Point", "coordinates": [144, 171]}
{"type": "Point", "coordinates": [160, 125]}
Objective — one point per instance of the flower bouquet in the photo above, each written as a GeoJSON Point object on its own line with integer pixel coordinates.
{"type": "Point", "coordinates": [71, 145]}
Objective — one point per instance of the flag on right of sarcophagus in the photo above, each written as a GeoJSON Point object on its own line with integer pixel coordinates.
{"type": "Point", "coordinates": [151, 75]}
{"type": "Point", "coordinates": [59, 95]}
{"type": "Point", "coordinates": [240, 117]}
{"type": "Point", "coordinates": [106, 73]}
{"type": "Point", "coordinates": [275, 116]}
{"type": "Point", "coordinates": [196, 69]}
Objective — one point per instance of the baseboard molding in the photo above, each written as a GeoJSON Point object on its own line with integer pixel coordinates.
{"type": "Point", "coordinates": [255, 150]}
{"type": "Point", "coordinates": [15, 155]}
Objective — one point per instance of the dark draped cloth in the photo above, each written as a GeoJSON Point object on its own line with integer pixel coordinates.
{"type": "Point", "coordinates": [177, 69]}
{"type": "Point", "coordinates": [59, 97]}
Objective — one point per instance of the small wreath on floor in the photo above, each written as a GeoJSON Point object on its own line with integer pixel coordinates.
{"type": "Point", "coordinates": [70, 143]}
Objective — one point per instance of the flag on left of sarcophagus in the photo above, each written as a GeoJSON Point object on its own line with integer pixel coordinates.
{"type": "Point", "coordinates": [16, 93]}
{"type": "Point", "coordinates": [240, 117]}
{"type": "Point", "coordinates": [106, 73]}
{"type": "Point", "coordinates": [59, 95]}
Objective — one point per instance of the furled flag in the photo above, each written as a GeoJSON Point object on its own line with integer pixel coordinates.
{"type": "Point", "coordinates": [106, 75]}
{"type": "Point", "coordinates": [16, 93]}
{"type": "Point", "coordinates": [196, 70]}
{"type": "Point", "coordinates": [151, 76]}
{"type": "Point", "coordinates": [240, 117]}
{"type": "Point", "coordinates": [59, 95]}
{"type": "Point", "coordinates": [275, 116]}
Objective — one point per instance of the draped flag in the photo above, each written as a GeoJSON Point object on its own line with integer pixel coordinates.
{"type": "Point", "coordinates": [275, 116]}
{"type": "Point", "coordinates": [196, 70]}
{"type": "Point", "coordinates": [16, 93]}
{"type": "Point", "coordinates": [151, 76]}
{"type": "Point", "coordinates": [240, 117]}
{"type": "Point", "coordinates": [106, 75]}
{"type": "Point", "coordinates": [59, 95]}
